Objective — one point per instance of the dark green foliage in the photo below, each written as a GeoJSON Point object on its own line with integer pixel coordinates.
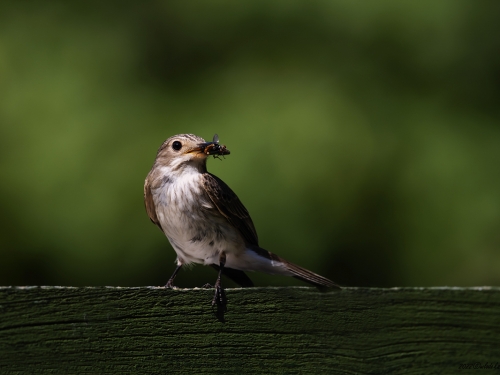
{"type": "Point", "coordinates": [364, 139]}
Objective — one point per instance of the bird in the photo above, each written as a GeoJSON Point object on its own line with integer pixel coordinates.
{"type": "Point", "coordinates": [205, 221]}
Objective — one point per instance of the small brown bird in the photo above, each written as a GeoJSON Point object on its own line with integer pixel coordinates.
{"type": "Point", "coordinates": [205, 221]}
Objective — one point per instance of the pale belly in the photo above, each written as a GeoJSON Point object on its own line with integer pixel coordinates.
{"type": "Point", "coordinates": [193, 225]}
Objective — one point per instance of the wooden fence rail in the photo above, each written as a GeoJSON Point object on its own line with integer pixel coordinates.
{"type": "Point", "coordinates": [149, 330]}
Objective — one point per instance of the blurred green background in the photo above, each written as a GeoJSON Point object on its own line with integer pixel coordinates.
{"type": "Point", "coordinates": [364, 136]}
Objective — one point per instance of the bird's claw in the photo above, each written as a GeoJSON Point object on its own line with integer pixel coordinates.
{"type": "Point", "coordinates": [220, 298]}
{"type": "Point", "coordinates": [170, 284]}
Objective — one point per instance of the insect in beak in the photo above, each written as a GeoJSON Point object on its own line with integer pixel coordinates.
{"type": "Point", "coordinates": [214, 148]}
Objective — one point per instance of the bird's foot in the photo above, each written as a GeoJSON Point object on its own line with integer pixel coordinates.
{"type": "Point", "coordinates": [170, 284]}
{"type": "Point", "coordinates": [220, 298]}
{"type": "Point", "coordinates": [207, 286]}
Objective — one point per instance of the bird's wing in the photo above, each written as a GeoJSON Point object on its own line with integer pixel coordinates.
{"type": "Point", "coordinates": [230, 207]}
{"type": "Point", "coordinates": [150, 204]}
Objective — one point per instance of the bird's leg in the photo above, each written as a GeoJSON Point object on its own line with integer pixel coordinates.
{"type": "Point", "coordinates": [220, 295]}
{"type": "Point", "coordinates": [170, 282]}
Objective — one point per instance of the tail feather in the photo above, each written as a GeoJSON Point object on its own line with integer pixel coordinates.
{"type": "Point", "coordinates": [290, 269]}
{"type": "Point", "coordinates": [310, 277]}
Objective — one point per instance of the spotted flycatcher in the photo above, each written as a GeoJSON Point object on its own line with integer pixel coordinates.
{"type": "Point", "coordinates": [205, 221]}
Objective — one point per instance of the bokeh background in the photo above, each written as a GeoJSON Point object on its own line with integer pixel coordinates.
{"type": "Point", "coordinates": [364, 136]}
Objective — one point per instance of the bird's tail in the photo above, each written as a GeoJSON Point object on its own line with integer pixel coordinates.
{"type": "Point", "coordinates": [274, 264]}
{"type": "Point", "coordinates": [310, 277]}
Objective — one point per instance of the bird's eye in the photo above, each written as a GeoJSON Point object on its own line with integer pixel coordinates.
{"type": "Point", "coordinates": [177, 145]}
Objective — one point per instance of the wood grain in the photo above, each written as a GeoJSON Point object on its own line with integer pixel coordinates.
{"type": "Point", "coordinates": [110, 330]}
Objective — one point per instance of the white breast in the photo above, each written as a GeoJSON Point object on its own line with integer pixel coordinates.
{"type": "Point", "coordinates": [195, 228]}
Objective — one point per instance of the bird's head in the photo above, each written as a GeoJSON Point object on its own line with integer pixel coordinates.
{"type": "Point", "coordinates": [188, 150]}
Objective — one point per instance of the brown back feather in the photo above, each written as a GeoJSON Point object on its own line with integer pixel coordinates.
{"type": "Point", "coordinates": [230, 207]}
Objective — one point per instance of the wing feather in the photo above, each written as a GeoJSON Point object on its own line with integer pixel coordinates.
{"type": "Point", "coordinates": [229, 205]}
{"type": "Point", "coordinates": [150, 204]}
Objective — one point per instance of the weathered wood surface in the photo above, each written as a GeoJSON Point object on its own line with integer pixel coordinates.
{"type": "Point", "coordinates": [64, 330]}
